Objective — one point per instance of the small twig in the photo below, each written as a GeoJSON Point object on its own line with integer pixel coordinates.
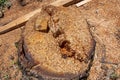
{"type": "Point", "coordinates": [82, 3]}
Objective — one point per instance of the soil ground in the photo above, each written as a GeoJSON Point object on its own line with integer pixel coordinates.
{"type": "Point", "coordinates": [103, 16]}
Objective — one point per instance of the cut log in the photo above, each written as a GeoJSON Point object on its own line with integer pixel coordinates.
{"type": "Point", "coordinates": [60, 53]}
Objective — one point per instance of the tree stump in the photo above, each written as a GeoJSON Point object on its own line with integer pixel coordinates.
{"type": "Point", "coordinates": [56, 44]}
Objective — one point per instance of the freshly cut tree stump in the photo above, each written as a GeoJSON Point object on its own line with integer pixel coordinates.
{"type": "Point", "coordinates": [56, 44]}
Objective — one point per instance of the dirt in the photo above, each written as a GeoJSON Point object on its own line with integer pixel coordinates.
{"type": "Point", "coordinates": [103, 20]}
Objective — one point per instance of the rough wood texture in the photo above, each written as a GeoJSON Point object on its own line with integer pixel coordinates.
{"type": "Point", "coordinates": [63, 51]}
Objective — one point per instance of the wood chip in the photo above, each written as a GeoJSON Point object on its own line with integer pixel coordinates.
{"type": "Point", "coordinates": [82, 3]}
